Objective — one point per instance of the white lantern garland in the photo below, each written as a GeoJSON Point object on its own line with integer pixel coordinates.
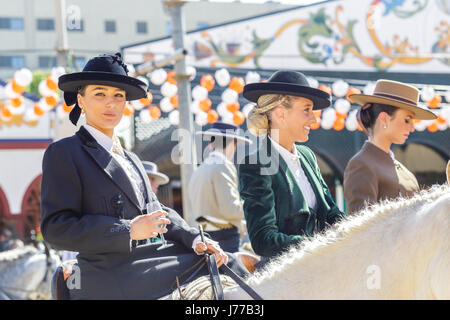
{"type": "Point", "coordinates": [340, 88]}
{"type": "Point", "coordinates": [222, 77]}
{"type": "Point", "coordinates": [158, 76]}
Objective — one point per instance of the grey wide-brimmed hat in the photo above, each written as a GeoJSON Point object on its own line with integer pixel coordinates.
{"type": "Point", "coordinates": [221, 129]}
{"type": "Point", "coordinates": [152, 170]}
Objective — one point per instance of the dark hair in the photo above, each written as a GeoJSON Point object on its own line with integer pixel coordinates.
{"type": "Point", "coordinates": [82, 90]}
{"type": "Point", "coordinates": [369, 114]}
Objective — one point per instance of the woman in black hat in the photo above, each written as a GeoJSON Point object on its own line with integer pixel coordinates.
{"type": "Point", "coordinates": [95, 193]}
{"type": "Point", "coordinates": [285, 197]}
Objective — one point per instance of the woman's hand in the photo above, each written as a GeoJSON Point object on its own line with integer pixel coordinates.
{"type": "Point", "coordinates": [212, 247]}
{"type": "Point", "coordinates": [147, 225]}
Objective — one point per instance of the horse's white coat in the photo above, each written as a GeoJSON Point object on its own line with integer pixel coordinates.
{"type": "Point", "coordinates": [22, 272]}
{"type": "Point", "coordinates": [396, 249]}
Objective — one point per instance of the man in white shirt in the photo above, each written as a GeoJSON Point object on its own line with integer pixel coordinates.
{"type": "Point", "coordinates": [214, 195]}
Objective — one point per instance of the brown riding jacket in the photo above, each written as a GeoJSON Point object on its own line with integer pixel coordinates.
{"type": "Point", "coordinates": [372, 175]}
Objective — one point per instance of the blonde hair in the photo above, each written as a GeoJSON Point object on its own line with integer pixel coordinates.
{"type": "Point", "coordinates": [258, 120]}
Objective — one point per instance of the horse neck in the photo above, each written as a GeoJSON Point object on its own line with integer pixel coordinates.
{"type": "Point", "coordinates": [382, 247]}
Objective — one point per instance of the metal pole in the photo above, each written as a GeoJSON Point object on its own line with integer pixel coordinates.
{"type": "Point", "coordinates": [186, 134]}
{"type": "Point", "coordinates": [62, 46]}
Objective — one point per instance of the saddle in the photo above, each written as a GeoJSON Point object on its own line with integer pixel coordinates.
{"type": "Point", "coordinates": [59, 285]}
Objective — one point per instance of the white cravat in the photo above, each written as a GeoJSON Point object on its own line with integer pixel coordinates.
{"type": "Point", "coordinates": [114, 147]}
{"type": "Point", "coordinates": [293, 162]}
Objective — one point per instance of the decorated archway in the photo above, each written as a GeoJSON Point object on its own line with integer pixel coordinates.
{"type": "Point", "coordinates": [31, 210]}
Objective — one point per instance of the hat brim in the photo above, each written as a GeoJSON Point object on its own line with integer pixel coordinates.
{"type": "Point", "coordinates": [320, 98]}
{"type": "Point", "coordinates": [69, 83]}
{"type": "Point", "coordinates": [220, 134]}
{"type": "Point", "coordinates": [160, 178]}
{"type": "Point", "coordinates": [419, 112]}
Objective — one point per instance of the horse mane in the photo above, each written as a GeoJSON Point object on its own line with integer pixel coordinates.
{"type": "Point", "coordinates": [341, 231]}
{"type": "Point", "coordinates": [17, 253]}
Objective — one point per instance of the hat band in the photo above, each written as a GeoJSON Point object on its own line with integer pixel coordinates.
{"type": "Point", "coordinates": [392, 96]}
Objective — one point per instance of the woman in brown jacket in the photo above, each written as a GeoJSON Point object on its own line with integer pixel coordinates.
{"type": "Point", "coordinates": [373, 174]}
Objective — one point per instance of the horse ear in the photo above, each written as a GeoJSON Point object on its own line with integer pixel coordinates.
{"type": "Point", "coordinates": [448, 172]}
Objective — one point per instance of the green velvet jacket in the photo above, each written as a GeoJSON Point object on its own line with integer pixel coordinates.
{"type": "Point", "coordinates": [275, 209]}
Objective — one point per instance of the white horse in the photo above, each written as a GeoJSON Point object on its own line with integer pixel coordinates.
{"type": "Point", "coordinates": [396, 249]}
{"type": "Point", "coordinates": [25, 274]}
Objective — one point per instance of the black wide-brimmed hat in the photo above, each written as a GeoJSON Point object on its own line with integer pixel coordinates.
{"type": "Point", "coordinates": [152, 170]}
{"type": "Point", "coordinates": [226, 130]}
{"type": "Point", "coordinates": [291, 83]}
{"type": "Point", "coordinates": [107, 70]}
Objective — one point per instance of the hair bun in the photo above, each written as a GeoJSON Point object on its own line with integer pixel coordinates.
{"type": "Point", "coordinates": [257, 123]}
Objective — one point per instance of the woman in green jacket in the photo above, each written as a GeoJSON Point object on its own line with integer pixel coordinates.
{"type": "Point", "coordinates": [285, 197]}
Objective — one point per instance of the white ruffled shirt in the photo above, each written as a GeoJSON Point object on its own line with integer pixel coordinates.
{"type": "Point", "coordinates": [293, 162]}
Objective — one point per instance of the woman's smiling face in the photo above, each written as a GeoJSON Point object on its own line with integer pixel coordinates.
{"type": "Point", "coordinates": [297, 119]}
{"type": "Point", "coordinates": [103, 106]}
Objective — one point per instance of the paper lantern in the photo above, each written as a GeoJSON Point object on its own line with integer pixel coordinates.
{"type": "Point", "coordinates": [155, 112]}
{"type": "Point", "coordinates": [351, 124]}
{"type": "Point", "coordinates": [17, 88]}
{"type": "Point", "coordinates": [207, 82]}
{"type": "Point", "coordinates": [192, 72]}
{"type": "Point", "coordinates": [252, 77]}
{"type": "Point", "coordinates": [205, 105]}
{"type": "Point", "coordinates": [441, 120]}
{"type": "Point", "coordinates": [237, 84]}
{"type": "Point", "coordinates": [52, 100]}
{"type": "Point", "coordinates": [339, 124]}
{"type": "Point", "coordinates": [325, 88]}
{"type": "Point", "coordinates": [195, 106]}
{"type": "Point", "coordinates": [145, 101]}
{"type": "Point", "coordinates": [171, 77]}
{"type": "Point", "coordinates": [44, 90]}
{"type": "Point", "coordinates": [238, 118]}
{"type": "Point", "coordinates": [158, 77]}
{"type": "Point", "coordinates": [233, 107]}
{"type": "Point", "coordinates": [174, 101]}
{"type": "Point", "coordinates": [350, 92]}
{"type": "Point", "coordinates": [342, 106]}
{"type": "Point", "coordinates": [222, 109]}
{"type": "Point", "coordinates": [165, 105]}
{"type": "Point", "coordinates": [145, 116]}
{"type": "Point", "coordinates": [201, 118]}
{"type": "Point", "coordinates": [23, 77]}
{"type": "Point", "coordinates": [168, 89]}
{"type": "Point", "coordinates": [227, 117]}
{"type": "Point", "coordinates": [433, 127]}
{"type": "Point", "coordinates": [329, 115]}
{"type": "Point", "coordinates": [421, 125]}
{"type": "Point", "coordinates": [57, 72]}
{"type": "Point", "coordinates": [16, 110]}
{"type": "Point", "coordinates": [213, 116]}
{"type": "Point", "coordinates": [128, 110]}
{"type": "Point", "coordinates": [222, 77]}
{"type": "Point", "coordinates": [38, 110]}
{"type": "Point", "coordinates": [369, 88]}
{"type": "Point", "coordinates": [9, 92]}
{"type": "Point", "coordinates": [174, 118]}
{"type": "Point", "coordinates": [6, 114]}
{"type": "Point", "coordinates": [51, 84]}
{"type": "Point", "coordinates": [199, 93]}
{"type": "Point", "coordinates": [16, 102]}
{"type": "Point", "coordinates": [326, 125]}
{"type": "Point", "coordinates": [427, 93]}
{"type": "Point", "coordinates": [339, 88]}
{"type": "Point", "coordinates": [435, 101]}
{"type": "Point", "coordinates": [229, 96]}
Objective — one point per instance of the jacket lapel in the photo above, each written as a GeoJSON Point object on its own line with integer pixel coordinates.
{"type": "Point", "coordinates": [108, 164]}
{"type": "Point", "coordinates": [297, 200]}
{"type": "Point", "coordinates": [313, 180]}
